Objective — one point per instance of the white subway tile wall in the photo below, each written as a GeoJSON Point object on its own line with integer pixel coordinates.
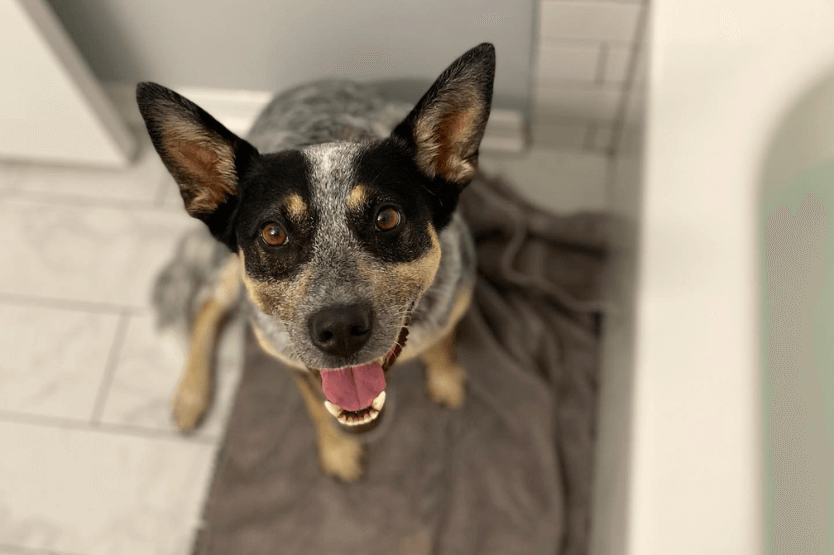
{"type": "Point", "coordinates": [590, 103]}
{"type": "Point", "coordinates": [589, 20]}
{"type": "Point", "coordinates": [584, 53]}
{"type": "Point", "coordinates": [616, 65]}
{"type": "Point", "coordinates": [571, 63]}
{"type": "Point", "coordinates": [602, 137]}
{"type": "Point", "coordinates": [566, 135]}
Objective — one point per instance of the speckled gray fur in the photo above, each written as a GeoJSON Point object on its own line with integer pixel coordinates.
{"type": "Point", "coordinates": [325, 120]}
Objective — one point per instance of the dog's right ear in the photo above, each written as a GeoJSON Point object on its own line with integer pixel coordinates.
{"type": "Point", "coordinates": [203, 156]}
{"type": "Point", "coordinates": [445, 129]}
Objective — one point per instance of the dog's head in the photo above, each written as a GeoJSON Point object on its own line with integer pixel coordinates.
{"type": "Point", "coordinates": [339, 240]}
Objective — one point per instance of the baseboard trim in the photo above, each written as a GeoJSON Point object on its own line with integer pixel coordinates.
{"type": "Point", "coordinates": [237, 110]}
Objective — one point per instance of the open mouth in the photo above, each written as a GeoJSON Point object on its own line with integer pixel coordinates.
{"type": "Point", "coordinates": [355, 395]}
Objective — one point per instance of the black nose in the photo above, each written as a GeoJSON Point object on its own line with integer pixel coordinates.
{"type": "Point", "coordinates": [342, 330]}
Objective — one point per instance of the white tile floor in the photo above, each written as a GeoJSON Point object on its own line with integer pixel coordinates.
{"type": "Point", "coordinates": [90, 463]}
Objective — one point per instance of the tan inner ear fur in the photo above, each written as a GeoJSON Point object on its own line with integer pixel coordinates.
{"type": "Point", "coordinates": [446, 137]}
{"type": "Point", "coordinates": [202, 164]}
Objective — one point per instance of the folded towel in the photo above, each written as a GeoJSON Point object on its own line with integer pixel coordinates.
{"type": "Point", "coordinates": [508, 473]}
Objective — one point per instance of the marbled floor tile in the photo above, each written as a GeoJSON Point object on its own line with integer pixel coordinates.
{"type": "Point", "coordinates": [139, 182]}
{"type": "Point", "coordinates": [98, 493]}
{"type": "Point", "coordinates": [81, 253]}
{"type": "Point", "coordinates": [53, 360]}
{"type": "Point", "coordinates": [148, 370]}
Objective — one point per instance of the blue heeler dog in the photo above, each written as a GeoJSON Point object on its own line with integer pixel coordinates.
{"type": "Point", "coordinates": [337, 236]}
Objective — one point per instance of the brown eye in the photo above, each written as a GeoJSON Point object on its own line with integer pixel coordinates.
{"type": "Point", "coordinates": [387, 219]}
{"type": "Point", "coordinates": [273, 234]}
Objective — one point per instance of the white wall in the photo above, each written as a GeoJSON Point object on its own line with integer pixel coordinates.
{"type": "Point", "coordinates": [267, 46]}
{"type": "Point", "coordinates": [51, 108]}
{"type": "Point", "coordinates": [561, 62]}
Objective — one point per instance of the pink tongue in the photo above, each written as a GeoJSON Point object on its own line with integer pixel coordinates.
{"type": "Point", "coordinates": [353, 388]}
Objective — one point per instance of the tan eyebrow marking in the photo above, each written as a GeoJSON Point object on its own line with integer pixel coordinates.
{"type": "Point", "coordinates": [295, 205]}
{"type": "Point", "coordinates": [357, 196]}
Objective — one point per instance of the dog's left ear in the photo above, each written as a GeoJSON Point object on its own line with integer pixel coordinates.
{"type": "Point", "coordinates": [445, 129]}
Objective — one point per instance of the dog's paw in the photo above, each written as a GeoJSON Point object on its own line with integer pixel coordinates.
{"type": "Point", "coordinates": [341, 457]}
{"type": "Point", "coordinates": [189, 405]}
{"type": "Point", "coordinates": [447, 387]}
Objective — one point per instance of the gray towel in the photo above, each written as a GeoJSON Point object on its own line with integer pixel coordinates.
{"type": "Point", "coordinates": [509, 473]}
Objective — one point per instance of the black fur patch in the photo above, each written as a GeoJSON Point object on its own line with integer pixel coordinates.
{"type": "Point", "coordinates": [391, 177]}
{"type": "Point", "coordinates": [265, 189]}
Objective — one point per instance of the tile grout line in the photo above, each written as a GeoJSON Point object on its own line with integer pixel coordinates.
{"type": "Point", "coordinates": [87, 202]}
{"type": "Point", "coordinates": [106, 428]}
{"type": "Point", "coordinates": [631, 69]}
{"type": "Point", "coordinates": [22, 550]}
{"type": "Point", "coordinates": [577, 85]}
{"type": "Point", "coordinates": [571, 121]}
{"type": "Point", "coordinates": [590, 136]}
{"type": "Point", "coordinates": [69, 304]}
{"type": "Point", "coordinates": [110, 367]}
{"type": "Point", "coordinates": [609, 184]}
{"type": "Point", "coordinates": [608, 2]}
{"type": "Point", "coordinates": [573, 42]}
{"type": "Point", "coordinates": [602, 63]}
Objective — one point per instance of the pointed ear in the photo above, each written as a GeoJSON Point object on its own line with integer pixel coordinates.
{"type": "Point", "coordinates": [445, 129]}
{"type": "Point", "coordinates": [204, 157]}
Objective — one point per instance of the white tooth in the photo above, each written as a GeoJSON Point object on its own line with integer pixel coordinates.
{"type": "Point", "coordinates": [332, 409]}
{"type": "Point", "coordinates": [379, 401]}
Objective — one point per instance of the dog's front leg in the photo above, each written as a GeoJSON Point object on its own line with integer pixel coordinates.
{"type": "Point", "coordinates": [445, 377]}
{"type": "Point", "coordinates": [340, 456]}
{"type": "Point", "coordinates": [193, 395]}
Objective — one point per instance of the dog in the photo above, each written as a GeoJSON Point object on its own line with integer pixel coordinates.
{"type": "Point", "coordinates": [335, 229]}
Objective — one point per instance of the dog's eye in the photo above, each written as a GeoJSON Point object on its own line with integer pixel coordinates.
{"type": "Point", "coordinates": [274, 234]}
{"type": "Point", "coordinates": [387, 219]}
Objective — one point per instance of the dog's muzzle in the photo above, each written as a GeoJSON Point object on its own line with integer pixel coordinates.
{"type": "Point", "coordinates": [355, 395]}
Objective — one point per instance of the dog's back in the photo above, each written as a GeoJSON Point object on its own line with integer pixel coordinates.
{"type": "Point", "coordinates": [324, 112]}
